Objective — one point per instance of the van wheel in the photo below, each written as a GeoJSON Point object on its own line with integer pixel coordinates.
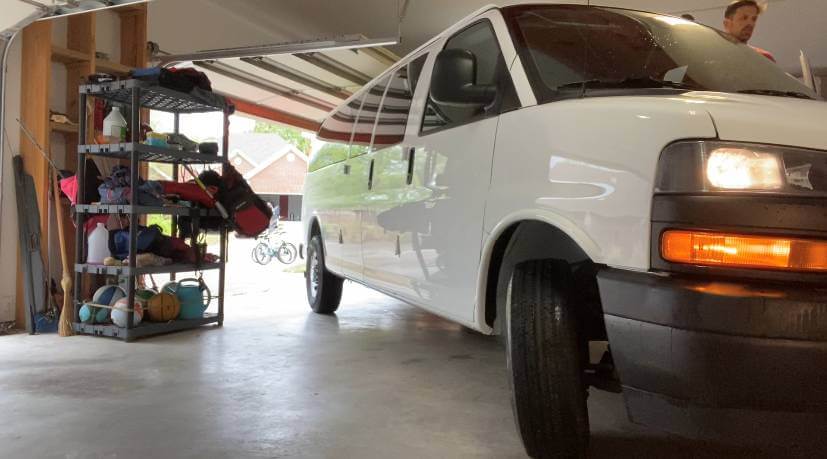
{"type": "Point", "coordinates": [544, 357]}
{"type": "Point", "coordinates": [324, 289]}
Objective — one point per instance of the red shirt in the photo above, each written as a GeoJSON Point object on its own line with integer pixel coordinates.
{"type": "Point", "coordinates": [763, 52]}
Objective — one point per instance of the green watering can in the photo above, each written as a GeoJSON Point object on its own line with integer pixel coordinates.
{"type": "Point", "coordinates": [193, 294]}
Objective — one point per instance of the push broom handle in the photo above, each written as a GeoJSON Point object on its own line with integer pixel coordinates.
{"type": "Point", "coordinates": [198, 181]}
{"type": "Point", "coordinates": [68, 311]}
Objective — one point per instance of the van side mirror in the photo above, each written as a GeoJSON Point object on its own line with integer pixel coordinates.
{"type": "Point", "coordinates": [454, 80]}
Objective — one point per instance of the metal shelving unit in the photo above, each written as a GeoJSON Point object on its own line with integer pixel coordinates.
{"type": "Point", "coordinates": [134, 95]}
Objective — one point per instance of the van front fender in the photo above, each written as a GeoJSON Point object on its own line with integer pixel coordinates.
{"type": "Point", "coordinates": [520, 236]}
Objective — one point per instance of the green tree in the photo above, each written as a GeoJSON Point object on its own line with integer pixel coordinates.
{"type": "Point", "coordinates": [289, 134]}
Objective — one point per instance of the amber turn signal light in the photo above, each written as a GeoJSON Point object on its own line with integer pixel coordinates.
{"type": "Point", "coordinates": [741, 251]}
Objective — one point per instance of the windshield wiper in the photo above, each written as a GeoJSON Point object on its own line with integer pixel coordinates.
{"type": "Point", "coordinates": [777, 93]}
{"type": "Point", "coordinates": [630, 83]}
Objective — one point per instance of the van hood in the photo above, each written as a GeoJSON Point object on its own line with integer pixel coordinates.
{"type": "Point", "coordinates": [765, 119]}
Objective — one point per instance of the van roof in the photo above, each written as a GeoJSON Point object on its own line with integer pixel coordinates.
{"type": "Point", "coordinates": [456, 26]}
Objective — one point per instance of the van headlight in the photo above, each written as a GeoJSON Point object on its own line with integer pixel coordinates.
{"type": "Point", "coordinates": [713, 166]}
{"type": "Point", "coordinates": [732, 168]}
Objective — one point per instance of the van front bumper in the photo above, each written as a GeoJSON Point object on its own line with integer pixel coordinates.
{"type": "Point", "coordinates": [719, 360]}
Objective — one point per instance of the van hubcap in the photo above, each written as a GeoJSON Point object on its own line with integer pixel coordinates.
{"type": "Point", "coordinates": [315, 274]}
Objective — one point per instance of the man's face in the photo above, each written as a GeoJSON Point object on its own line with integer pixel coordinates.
{"type": "Point", "coordinates": [742, 24]}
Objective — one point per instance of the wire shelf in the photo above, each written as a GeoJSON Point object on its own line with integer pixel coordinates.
{"type": "Point", "coordinates": [149, 153]}
{"type": "Point", "coordinates": [156, 97]}
{"type": "Point", "coordinates": [127, 271]}
{"type": "Point", "coordinates": [144, 328]}
{"type": "Point", "coordinates": [144, 210]}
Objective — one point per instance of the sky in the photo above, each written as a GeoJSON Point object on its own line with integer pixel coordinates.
{"type": "Point", "coordinates": [203, 127]}
{"type": "Point", "coordinates": [200, 127]}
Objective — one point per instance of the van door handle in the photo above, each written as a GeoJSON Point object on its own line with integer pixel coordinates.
{"type": "Point", "coordinates": [370, 175]}
{"type": "Point", "coordinates": [346, 169]}
{"type": "Point", "coordinates": [411, 158]}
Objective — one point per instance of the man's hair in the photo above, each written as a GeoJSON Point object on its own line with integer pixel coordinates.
{"type": "Point", "coordinates": [733, 7]}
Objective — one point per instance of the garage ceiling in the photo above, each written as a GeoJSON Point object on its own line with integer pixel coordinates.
{"type": "Point", "coordinates": [308, 86]}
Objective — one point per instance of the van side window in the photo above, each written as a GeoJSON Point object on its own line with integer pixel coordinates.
{"type": "Point", "coordinates": [335, 131]}
{"type": "Point", "coordinates": [371, 98]}
{"type": "Point", "coordinates": [393, 118]}
{"type": "Point", "coordinates": [481, 42]}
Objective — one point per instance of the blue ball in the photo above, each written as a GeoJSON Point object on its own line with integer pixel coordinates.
{"type": "Point", "coordinates": [85, 313]}
{"type": "Point", "coordinates": [101, 315]}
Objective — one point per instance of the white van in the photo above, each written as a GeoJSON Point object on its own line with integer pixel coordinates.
{"type": "Point", "coordinates": [566, 175]}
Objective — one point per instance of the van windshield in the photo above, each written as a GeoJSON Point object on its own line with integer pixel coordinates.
{"type": "Point", "coordinates": [570, 51]}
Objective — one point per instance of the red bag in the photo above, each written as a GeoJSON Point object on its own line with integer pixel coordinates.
{"type": "Point", "coordinates": [188, 192]}
{"type": "Point", "coordinates": [249, 219]}
{"type": "Point", "coordinates": [250, 215]}
{"type": "Point", "coordinates": [69, 186]}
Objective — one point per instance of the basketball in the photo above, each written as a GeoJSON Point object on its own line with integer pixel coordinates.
{"type": "Point", "coordinates": [107, 295]}
{"type": "Point", "coordinates": [163, 307]}
{"type": "Point", "coordinates": [120, 313]}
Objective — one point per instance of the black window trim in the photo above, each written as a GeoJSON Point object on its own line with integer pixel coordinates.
{"type": "Point", "coordinates": [363, 96]}
{"type": "Point", "coordinates": [395, 110]}
{"type": "Point", "coordinates": [357, 103]}
{"type": "Point", "coordinates": [476, 118]}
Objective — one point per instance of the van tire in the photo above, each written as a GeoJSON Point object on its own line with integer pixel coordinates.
{"type": "Point", "coordinates": [325, 298]}
{"type": "Point", "coordinates": [544, 357]}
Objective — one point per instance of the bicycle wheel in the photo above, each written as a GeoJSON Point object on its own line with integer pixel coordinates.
{"type": "Point", "coordinates": [286, 253]}
{"type": "Point", "coordinates": [261, 254]}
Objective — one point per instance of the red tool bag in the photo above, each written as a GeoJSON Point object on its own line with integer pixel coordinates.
{"type": "Point", "coordinates": [249, 213]}
{"type": "Point", "coordinates": [189, 192]}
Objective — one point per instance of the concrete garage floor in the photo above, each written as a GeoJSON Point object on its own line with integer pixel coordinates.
{"type": "Point", "coordinates": [380, 379]}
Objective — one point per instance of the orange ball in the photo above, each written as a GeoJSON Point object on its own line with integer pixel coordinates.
{"type": "Point", "coordinates": [163, 307]}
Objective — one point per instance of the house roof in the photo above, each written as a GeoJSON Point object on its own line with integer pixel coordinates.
{"type": "Point", "coordinates": [256, 148]}
{"type": "Point", "coordinates": [275, 157]}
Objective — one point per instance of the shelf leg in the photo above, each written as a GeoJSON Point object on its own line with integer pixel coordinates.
{"type": "Point", "coordinates": [175, 176]}
{"type": "Point", "coordinates": [80, 218]}
{"type": "Point", "coordinates": [135, 110]}
{"type": "Point", "coordinates": [225, 144]}
{"type": "Point", "coordinates": [222, 274]}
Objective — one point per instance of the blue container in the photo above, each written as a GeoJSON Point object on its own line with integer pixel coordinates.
{"type": "Point", "coordinates": [192, 293]}
{"type": "Point", "coordinates": [45, 324]}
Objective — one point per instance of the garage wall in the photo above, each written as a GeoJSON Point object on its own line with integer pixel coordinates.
{"type": "Point", "coordinates": [108, 41]}
{"type": "Point", "coordinates": [8, 218]}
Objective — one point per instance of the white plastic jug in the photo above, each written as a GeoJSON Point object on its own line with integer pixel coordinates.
{"type": "Point", "coordinates": [114, 126]}
{"type": "Point", "coordinates": [98, 245]}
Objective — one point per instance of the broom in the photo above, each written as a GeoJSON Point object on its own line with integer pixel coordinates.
{"type": "Point", "coordinates": [67, 313]}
